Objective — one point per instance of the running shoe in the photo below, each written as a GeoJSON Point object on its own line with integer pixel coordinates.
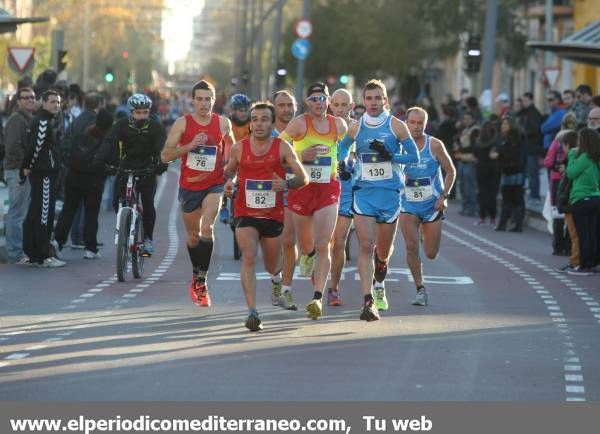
{"type": "Point", "coordinates": [314, 309]}
{"type": "Point", "coordinates": [24, 261]}
{"type": "Point", "coordinates": [52, 263]}
{"type": "Point", "coordinates": [148, 247]}
{"type": "Point", "coordinates": [422, 299]}
{"type": "Point", "coordinates": [565, 268]}
{"type": "Point", "coordinates": [253, 323]}
{"type": "Point", "coordinates": [286, 301]}
{"type": "Point", "coordinates": [369, 311]}
{"type": "Point", "coordinates": [199, 293]}
{"type": "Point", "coordinates": [307, 265]}
{"type": "Point", "coordinates": [380, 269]}
{"type": "Point", "coordinates": [380, 298]}
{"type": "Point", "coordinates": [224, 215]}
{"type": "Point", "coordinates": [88, 254]}
{"type": "Point", "coordinates": [581, 271]}
{"type": "Point", "coordinates": [276, 293]}
{"type": "Point", "coordinates": [78, 245]}
{"type": "Point", "coordinates": [334, 297]}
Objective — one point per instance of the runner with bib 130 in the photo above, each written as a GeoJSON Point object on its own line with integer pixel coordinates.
{"type": "Point", "coordinates": [383, 143]}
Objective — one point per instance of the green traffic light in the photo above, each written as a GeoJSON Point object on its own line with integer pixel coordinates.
{"type": "Point", "coordinates": [344, 79]}
{"type": "Point", "coordinates": [109, 77]}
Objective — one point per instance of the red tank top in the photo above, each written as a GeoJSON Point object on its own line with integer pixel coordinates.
{"type": "Point", "coordinates": [254, 197]}
{"type": "Point", "coordinates": [202, 168]}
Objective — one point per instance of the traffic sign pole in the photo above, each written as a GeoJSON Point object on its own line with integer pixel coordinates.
{"type": "Point", "coordinates": [300, 68]}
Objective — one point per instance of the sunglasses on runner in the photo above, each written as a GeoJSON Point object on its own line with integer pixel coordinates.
{"type": "Point", "coordinates": [320, 98]}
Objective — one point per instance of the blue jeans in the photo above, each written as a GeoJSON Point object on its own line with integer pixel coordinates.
{"type": "Point", "coordinates": [533, 176]}
{"type": "Point", "coordinates": [18, 202]}
{"type": "Point", "coordinates": [467, 184]}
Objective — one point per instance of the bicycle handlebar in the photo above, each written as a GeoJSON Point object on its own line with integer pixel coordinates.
{"type": "Point", "coordinates": [118, 169]}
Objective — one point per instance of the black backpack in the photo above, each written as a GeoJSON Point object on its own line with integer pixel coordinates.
{"type": "Point", "coordinates": [84, 147]}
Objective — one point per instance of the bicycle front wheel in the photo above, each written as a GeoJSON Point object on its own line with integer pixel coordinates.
{"type": "Point", "coordinates": [123, 243]}
{"type": "Point", "coordinates": [137, 257]}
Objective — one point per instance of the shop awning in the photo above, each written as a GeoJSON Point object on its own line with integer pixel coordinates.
{"type": "Point", "coordinates": [582, 47]}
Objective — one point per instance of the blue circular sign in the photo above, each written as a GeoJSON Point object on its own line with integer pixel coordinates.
{"type": "Point", "coordinates": [301, 48]}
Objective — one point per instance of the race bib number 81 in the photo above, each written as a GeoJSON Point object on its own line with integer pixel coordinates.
{"type": "Point", "coordinates": [259, 194]}
{"type": "Point", "coordinates": [203, 158]}
{"type": "Point", "coordinates": [418, 190]}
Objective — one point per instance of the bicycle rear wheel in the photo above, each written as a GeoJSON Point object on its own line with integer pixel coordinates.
{"type": "Point", "coordinates": [123, 243]}
{"type": "Point", "coordinates": [137, 257]}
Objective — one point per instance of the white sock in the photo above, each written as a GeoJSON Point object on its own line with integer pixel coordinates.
{"type": "Point", "coordinates": [285, 288]}
{"type": "Point", "coordinates": [276, 278]}
{"type": "Point", "coordinates": [379, 284]}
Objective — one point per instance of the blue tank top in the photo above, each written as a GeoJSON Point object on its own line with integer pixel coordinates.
{"type": "Point", "coordinates": [369, 170]}
{"type": "Point", "coordinates": [423, 180]}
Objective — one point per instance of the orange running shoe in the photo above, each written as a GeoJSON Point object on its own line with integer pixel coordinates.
{"type": "Point", "coordinates": [199, 293]}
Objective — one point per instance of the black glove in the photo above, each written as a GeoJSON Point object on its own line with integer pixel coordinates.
{"type": "Point", "coordinates": [161, 168]}
{"type": "Point", "coordinates": [341, 170]}
{"type": "Point", "coordinates": [380, 148]}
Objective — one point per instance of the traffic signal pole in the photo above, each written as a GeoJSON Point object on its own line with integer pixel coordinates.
{"type": "Point", "coordinates": [300, 68]}
{"type": "Point", "coordinates": [489, 44]}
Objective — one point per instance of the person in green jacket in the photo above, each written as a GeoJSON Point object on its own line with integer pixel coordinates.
{"type": "Point", "coordinates": [584, 169]}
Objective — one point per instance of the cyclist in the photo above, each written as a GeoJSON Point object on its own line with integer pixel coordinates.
{"type": "Point", "coordinates": [135, 142]}
{"type": "Point", "coordinates": [202, 140]}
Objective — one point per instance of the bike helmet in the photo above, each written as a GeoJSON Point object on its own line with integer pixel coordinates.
{"type": "Point", "coordinates": [139, 101]}
{"type": "Point", "coordinates": [239, 101]}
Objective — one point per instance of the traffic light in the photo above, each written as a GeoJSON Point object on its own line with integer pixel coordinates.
{"type": "Point", "coordinates": [473, 54]}
{"type": "Point", "coordinates": [109, 75]}
{"type": "Point", "coordinates": [344, 79]}
{"type": "Point", "coordinates": [125, 54]}
{"type": "Point", "coordinates": [61, 62]}
{"type": "Point", "coordinates": [280, 75]}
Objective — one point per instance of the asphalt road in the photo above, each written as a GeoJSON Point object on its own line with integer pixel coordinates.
{"type": "Point", "coordinates": [501, 325]}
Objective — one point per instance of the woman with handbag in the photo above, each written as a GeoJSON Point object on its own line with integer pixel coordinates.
{"type": "Point", "coordinates": [555, 161]}
{"type": "Point", "coordinates": [584, 169]}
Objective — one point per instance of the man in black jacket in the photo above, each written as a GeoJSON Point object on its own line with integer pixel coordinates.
{"type": "Point", "coordinates": [135, 143]}
{"type": "Point", "coordinates": [531, 121]}
{"type": "Point", "coordinates": [41, 165]}
{"type": "Point", "coordinates": [16, 136]}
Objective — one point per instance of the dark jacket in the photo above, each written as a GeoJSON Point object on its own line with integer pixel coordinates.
{"type": "Point", "coordinates": [81, 122]}
{"type": "Point", "coordinates": [530, 119]}
{"type": "Point", "coordinates": [141, 146]}
{"type": "Point", "coordinates": [86, 145]}
{"type": "Point", "coordinates": [512, 155]}
{"type": "Point", "coordinates": [16, 139]}
{"type": "Point", "coordinates": [43, 154]}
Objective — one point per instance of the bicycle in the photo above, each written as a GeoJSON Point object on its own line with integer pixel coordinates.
{"type": "Point", "coordinates": [129, 233]}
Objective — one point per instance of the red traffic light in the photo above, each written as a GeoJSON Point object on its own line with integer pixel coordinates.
{"type": "Point", "coordinates": [125, 54]}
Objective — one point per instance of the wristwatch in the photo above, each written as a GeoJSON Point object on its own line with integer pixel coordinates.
{"type": "Point", "coordinates": [444, 195]}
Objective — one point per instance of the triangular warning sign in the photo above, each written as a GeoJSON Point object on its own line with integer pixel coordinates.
{"type": "Point", "coordinates": [22, 56]}
{"type": "Point", "coordinates": [551, 75]}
